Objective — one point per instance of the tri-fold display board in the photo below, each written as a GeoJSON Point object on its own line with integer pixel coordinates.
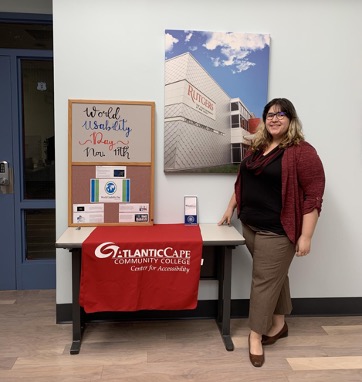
{"type": "Point", "coordinates": [111, 162]}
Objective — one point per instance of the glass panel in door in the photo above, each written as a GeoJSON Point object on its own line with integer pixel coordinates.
{"type": "Point", "coordinates": [38, 157]}
{"type": "Point", "coordinates": [38, 129]}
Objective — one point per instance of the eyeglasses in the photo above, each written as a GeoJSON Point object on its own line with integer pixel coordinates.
{"type": "Point", "coordinates": [280, 115]}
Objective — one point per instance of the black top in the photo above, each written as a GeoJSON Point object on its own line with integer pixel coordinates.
{"type": "Point", "coordinates": [261, 196]}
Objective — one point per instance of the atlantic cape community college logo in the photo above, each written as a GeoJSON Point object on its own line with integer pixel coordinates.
{"type": "Point", "coordinates": [165, 259]}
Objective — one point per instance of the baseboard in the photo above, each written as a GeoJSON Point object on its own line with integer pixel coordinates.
{"type": "Point", "coordinates": [342, 306]}
{"type": "Point", "coordinates": [333, 306]}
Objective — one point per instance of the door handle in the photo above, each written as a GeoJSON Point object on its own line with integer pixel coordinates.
{"type": "Point", "coordinates": [4, 173]}
{"type": "Point", "coordinates": [6, 178]}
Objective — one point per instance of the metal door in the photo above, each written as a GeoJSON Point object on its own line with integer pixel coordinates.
{"type": "Point", "coordinates": [27, 205]}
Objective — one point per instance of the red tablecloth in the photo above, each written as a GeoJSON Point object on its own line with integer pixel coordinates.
{"type": "Point", "coordinates": [141, 268]}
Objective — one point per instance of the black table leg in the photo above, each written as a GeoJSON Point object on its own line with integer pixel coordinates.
{"type": "Point", "coordinates": [76, 310]}
{"type": "Point", "coordinates": [224, 301]}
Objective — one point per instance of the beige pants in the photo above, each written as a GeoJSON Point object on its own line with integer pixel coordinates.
{"type": "Point", "coordinates": [272, 255]}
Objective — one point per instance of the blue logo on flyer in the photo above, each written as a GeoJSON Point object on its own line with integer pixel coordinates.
{"type": "Point", "coordinates": [110, 188]}
{"type": "Point", "coordinates": [190, 219]}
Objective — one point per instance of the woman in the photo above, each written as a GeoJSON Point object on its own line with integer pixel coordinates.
{"type": "Point", "coordinates": [278, 196]}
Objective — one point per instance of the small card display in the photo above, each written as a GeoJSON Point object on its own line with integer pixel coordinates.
{"type": "Point", "coordinates": [190, 208]}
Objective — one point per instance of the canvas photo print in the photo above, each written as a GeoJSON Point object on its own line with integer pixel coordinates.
{"type": "Point", "coordinates": [216, 86]}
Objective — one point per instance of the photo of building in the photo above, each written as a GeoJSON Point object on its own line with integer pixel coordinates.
{"type": "Point", "coordinates": [205, 129]}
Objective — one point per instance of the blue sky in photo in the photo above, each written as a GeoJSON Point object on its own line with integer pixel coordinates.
{"type": "Point", "coordinates": [238, 62]}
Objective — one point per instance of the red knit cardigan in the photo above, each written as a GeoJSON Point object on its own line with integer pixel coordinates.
{"type": "Point", "coordinates": [303, 183]}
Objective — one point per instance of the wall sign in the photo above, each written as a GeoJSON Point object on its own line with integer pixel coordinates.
{"type": "Point", "coordinates": [111, 162]}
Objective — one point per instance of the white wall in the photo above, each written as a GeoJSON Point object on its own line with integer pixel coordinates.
{"type": "Point", "coordinates": [114, 49]}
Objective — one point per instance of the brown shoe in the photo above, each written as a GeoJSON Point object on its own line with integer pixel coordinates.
{"type": "Point", "coordinates": [266, 340]}
{"type": "Point", "coordinates": [256, 360]}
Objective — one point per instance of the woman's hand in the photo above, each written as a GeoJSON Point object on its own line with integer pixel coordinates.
{"type": "Point", "coordinates": [303, 246]}
{"type": "Point", "coordinates": [226, 218]}
{"type": "Point", "coordinates": [304, 242]}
